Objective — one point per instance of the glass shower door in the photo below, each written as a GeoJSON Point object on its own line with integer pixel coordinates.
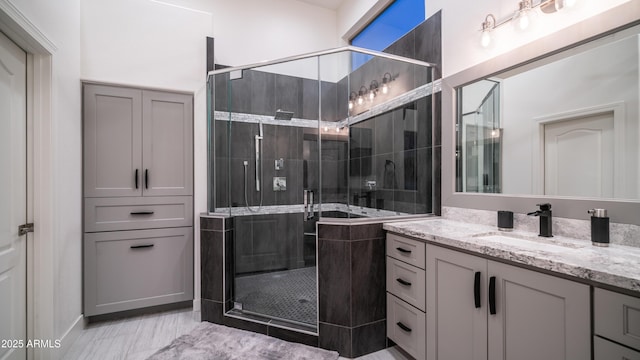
{"type": "Point", "coordinates": [271, 123]}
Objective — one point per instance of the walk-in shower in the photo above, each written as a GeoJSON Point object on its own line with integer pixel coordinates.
{"type": "Point", "coordinates": [305, 138]}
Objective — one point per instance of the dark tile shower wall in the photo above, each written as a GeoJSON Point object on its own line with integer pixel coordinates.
{"type": "Point", "coordinates": [351, 288]}
{"type": "Point", "coordinates": [393, 150]}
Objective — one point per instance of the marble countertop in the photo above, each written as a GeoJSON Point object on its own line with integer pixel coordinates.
{"type": "Point", "coordinates": [616, 265]}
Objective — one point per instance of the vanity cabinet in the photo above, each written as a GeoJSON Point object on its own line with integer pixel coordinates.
{"type": "Point", "coordinates": [138, 203]}
{"type": "Point", "coordinates": [482, 309]}
{"type": "Point", "coordinates": [406, 294]}
{"type": "Point", "coordinates": [616, 326]}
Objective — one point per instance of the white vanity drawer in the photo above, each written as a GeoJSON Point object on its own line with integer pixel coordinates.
{"type": "Point", "coordinates": [406, 326]}
{"type": "Point", "coordinates": [134, 213]}
{"type": "Point", "coordinates": [406, 282]}
{"type": "Point", "coordinates": [133, 269]}
{"type": "Point", "coordinates": [617, 317]}
{"type": "Point", "coordinates": [407, 250]}
{"type": "Point", "coordinates": [607, 350]}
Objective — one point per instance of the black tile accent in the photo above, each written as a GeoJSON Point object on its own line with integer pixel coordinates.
{"type": "Point", "coordinates": [229, 265]}
{"type": "Point", "coordinates": [210, 223]}
{"type": "Point", "coordinates": [337, 338]}
{"type": "Point", "coordinates": [368, 281]}
{"type": "Point", "coordinates": [369, 338]}
{"type": "Point", "coordinates": [246, 325]}
{"type": "Point", "coordinates": [288, 93]}
{"type": "Point", "coordinates": [211, 264]}
{"type": "Point", "coordinates": [333, 232]}
{"type": "Point", "coordinates": [210, 54]}
{"type": "Point", "coordinates": [367, 231]}
{"type": "Point", "coordinates": [310, 100]}
{"type": "Point", "coordinates": [428, 41]}
{"type": "Point", "coordinates": [334, 284]}
{"type": "Point", "coordinates": [293, 336]}
{"type": "Point", "coordinates": [211, 311]}
{"type": "Point", "coordinates": [437, 120]}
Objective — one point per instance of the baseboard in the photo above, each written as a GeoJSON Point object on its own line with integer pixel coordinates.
{"type": "Point", "coordinates": [69, 337]}
{"type": "Point", "coordinates": [196, 305]}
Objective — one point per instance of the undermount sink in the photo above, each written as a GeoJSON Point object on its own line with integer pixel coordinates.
{"type": "Point", "coordinates": [510, 238]}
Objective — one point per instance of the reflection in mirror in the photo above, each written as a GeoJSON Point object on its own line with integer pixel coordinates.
{"type": "Point", "coordinates": [567, 127]}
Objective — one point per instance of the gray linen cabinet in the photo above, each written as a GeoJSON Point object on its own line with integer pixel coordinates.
{"type": "Point", "coordinates": [138, 198]}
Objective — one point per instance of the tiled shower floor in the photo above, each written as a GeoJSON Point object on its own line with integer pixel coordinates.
{"type": "Point", "coordinates": [289, 294]}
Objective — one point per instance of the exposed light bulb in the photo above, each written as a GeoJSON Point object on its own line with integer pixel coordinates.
{"type": "Point", "coordinates": [350, 105]}
{"type": "Point", "coordinates": [337, 129]}
{"type": "Point", "coordinates": [326, 128]}
{"type": "Point", "coordinates": [385, 88]}
{"type": "Point", "coordinates": [486, 38]}
{"type": "Point", "coordinates": [372, 95]}
{"type": "Point", "coordinates": [360, 100]}
{"type": "Point", "coordinates": [523, 20]}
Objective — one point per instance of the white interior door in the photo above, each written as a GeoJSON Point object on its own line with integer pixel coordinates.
{"type": "Point", "coordinates": [579, 156]}
{"type": "Point", "coordinates": [13, 199]}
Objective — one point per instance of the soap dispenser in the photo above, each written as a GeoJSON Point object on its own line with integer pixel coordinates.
{"type": "Point", "coordinates": [599, 227]}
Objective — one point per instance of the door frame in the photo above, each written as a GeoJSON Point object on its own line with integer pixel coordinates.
{"type": "Point", "coordinates": [619, 153]}
{"type": "Point", "coordinates": [40, 260]}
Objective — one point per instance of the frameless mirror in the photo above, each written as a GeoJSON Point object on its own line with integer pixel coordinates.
{"type": "Point", "coordinates": [566, 125]}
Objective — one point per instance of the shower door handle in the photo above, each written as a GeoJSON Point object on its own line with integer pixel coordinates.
{"type": "Point", "coordinates": [305, 202]}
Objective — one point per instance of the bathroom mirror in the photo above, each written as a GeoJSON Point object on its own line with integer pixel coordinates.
{"type": "Point", "coordinates": [566, 125]}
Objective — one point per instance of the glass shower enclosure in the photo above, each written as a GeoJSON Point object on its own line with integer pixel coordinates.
{"type": "Point", "coordinates": [308, 137]}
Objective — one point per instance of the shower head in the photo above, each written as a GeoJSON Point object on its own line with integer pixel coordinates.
{"type": "Point", "coordinates": [283, 115]}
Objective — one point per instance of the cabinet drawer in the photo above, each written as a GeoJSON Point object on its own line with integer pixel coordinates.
{"type": "Point", "coordinates": [405, 249]}
{"type": "Point", "coordinates": [617, 317]}
{"type": "Point", "coordinates": [607, 350]}
{"type": "Point", "coordinates": [133, 269]}
{"type": "Point", "coordinates": [406, 282]}
{"type": "Point", "coordinates": [406, 326]}
{"type": "Point", "coordinates": [109, 214]}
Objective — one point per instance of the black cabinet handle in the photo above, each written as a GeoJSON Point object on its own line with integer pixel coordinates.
{"type": "Point", "coordinates": [136, 178]}
{"type": "Point", "coordinates": [403, 282]}
{"type": "Point", "coordinates": [403, 250]}
{"type": "Point", "coordinates": [476, 290]}
{"type": "Point", "coordinates": [146, 178]}
{"type": "Point", "coordinates": [141, 246]}
{"type": "Point", "coordinates": [403, 327]}
{"type": "Point", "coordinates": [492, 295]}
{"type": "Point", "coordinates": [141, 213]}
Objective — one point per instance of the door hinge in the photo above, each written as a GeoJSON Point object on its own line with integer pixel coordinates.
{"type": "Point", "coordinates": [24, 229]}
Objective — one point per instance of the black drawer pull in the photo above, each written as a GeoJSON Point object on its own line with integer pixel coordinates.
{"type": "Point", "coordinates": [141, 246]}
{"type": "Point", "coordinates": [492, 295]}
{"type": "Point", "coordinates": [403, 250]}
{"type": "Point", "coordinates": [146, 178]}
{"type": "Point", "coordinates": [141, 213]}
{"type": "Point", "coordinates": [403, 282]}
{"type": "Point", "coordinates": [476, 290]}
{"type": "Point", "coordinates": [136, 177]}
{"type": "Point", "coordinates": [403, 327]}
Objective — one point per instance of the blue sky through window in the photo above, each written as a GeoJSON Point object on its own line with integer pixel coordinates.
{"type": "Point", "coordinates": [394, 22]}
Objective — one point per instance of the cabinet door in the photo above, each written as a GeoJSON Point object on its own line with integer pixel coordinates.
{"type": "Point", "coordinates": [607, 350]}
{"type": "Point", "coordinates": [112, 141]}
{"type": "Point", "coordinates": [538, 316]}
{"type": "Point", "coordinates": [132, 269]}
{"type": "Point", "coordinates": [167, 154]}
{"type": "Point", "coordinates": [456, 329]}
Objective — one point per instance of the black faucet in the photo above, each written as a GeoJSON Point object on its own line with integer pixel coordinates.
{"type": "Point", "coordinates": [545, 219]}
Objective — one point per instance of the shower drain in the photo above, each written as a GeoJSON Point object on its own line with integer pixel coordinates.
{"type": "Point", "coordinates": [303, 301]}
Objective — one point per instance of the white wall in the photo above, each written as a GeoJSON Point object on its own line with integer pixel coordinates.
{"type": "Point", "coordinates": [461, 24]}
{"type": "Point", "coordinates": [59, 21]}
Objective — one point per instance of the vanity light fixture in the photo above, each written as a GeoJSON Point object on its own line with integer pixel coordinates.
{"type": "Point", "coordinates": [523, 17]}
{"type": "Point", "coordinates": [361, 93]}
{"type": "Point", "coordinates": [373, 90]}
{"type": "Point", "coordinates": [352, 98]}
{"type": "Point", "coordinates": [386, 79]}
{"type": "Point", "coordinates": [487, 26]}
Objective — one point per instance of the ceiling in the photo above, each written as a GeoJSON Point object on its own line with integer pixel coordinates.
{"type": "Point", "coordinates": [329, 4]}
